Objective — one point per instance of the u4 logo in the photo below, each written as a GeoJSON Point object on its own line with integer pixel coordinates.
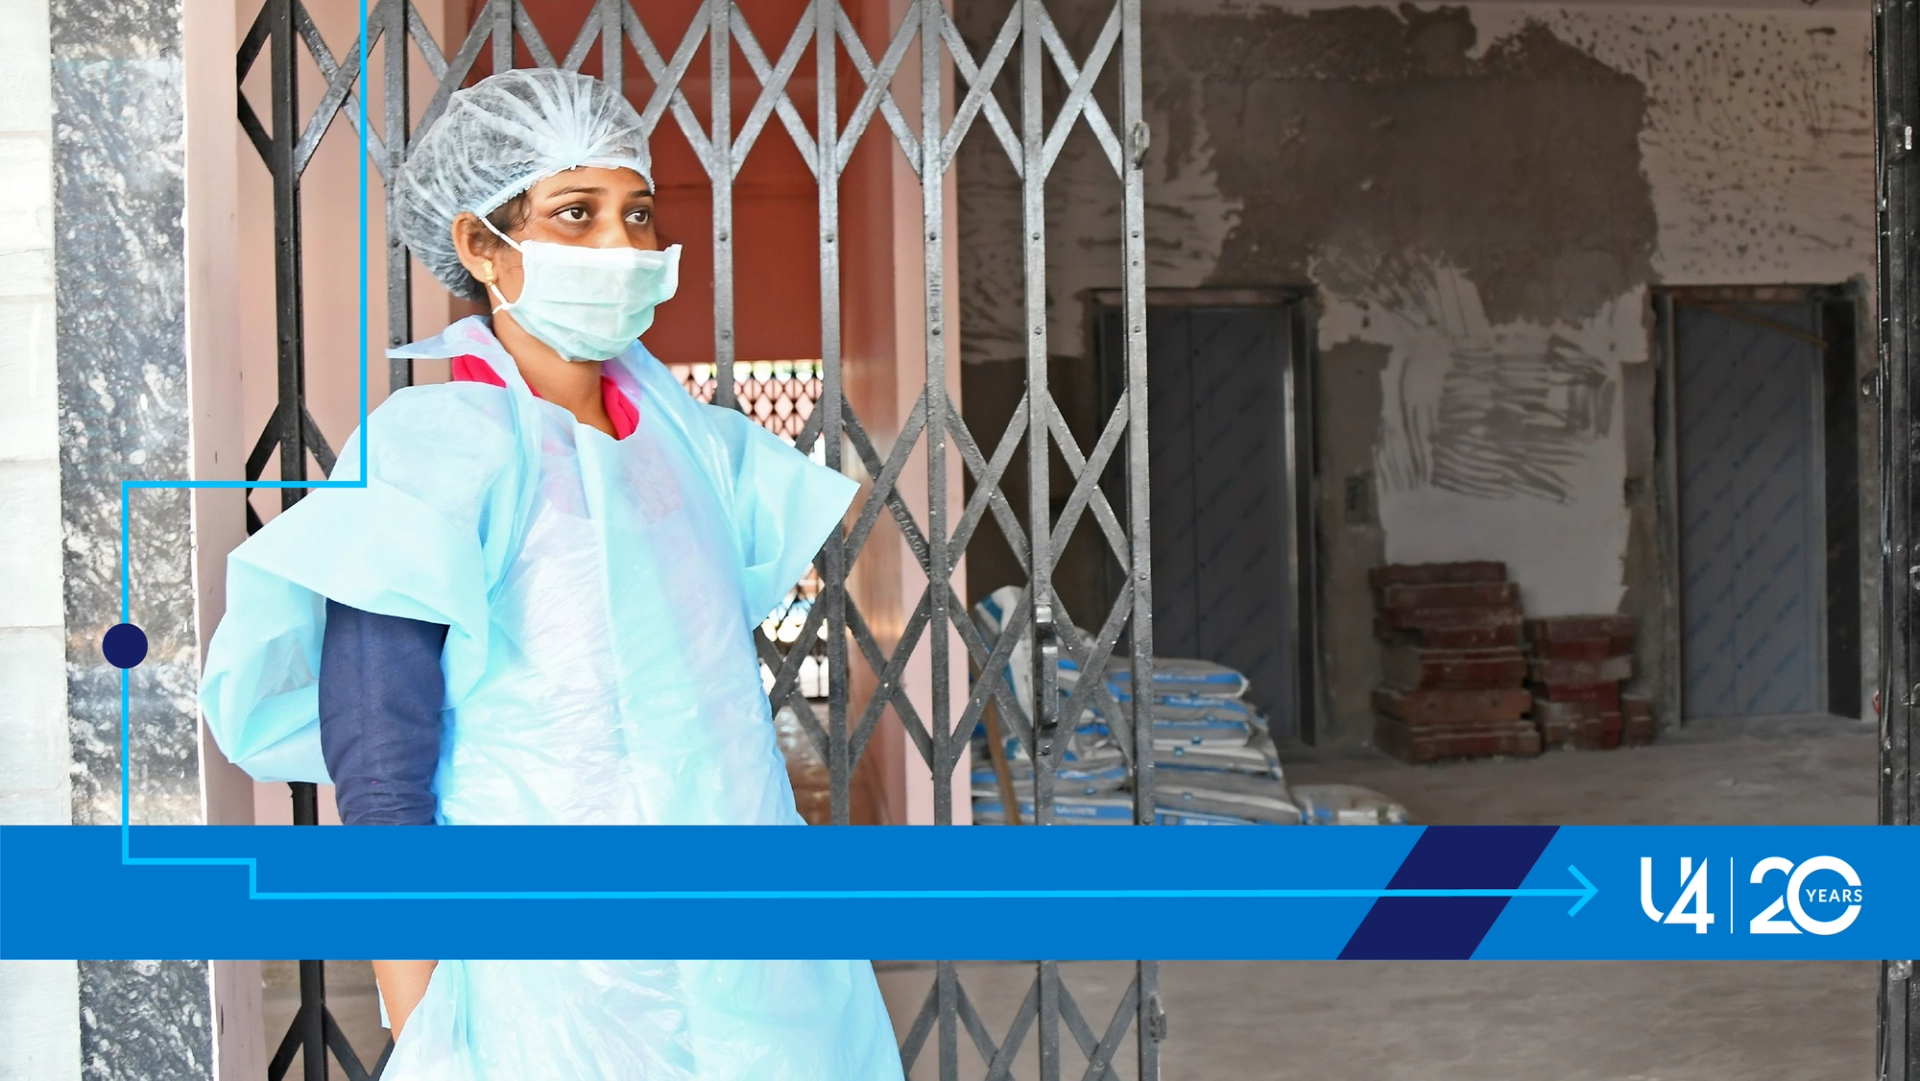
{"type": "Point", "coordinates": [1693, 906]}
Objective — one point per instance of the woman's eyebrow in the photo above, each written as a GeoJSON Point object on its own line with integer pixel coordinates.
{"type": "Point", "coordinates": [637, 193]}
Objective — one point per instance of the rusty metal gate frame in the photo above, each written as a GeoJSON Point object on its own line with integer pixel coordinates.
{"type": "Point", "coordinates": [283, 30]}
{"type": "Point", "coordinates": [1896, 100]}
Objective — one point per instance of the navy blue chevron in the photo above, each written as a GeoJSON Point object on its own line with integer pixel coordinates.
{"type": "Point", "coordinates": [1448, 857]}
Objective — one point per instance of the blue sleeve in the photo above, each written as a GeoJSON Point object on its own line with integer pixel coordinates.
{"type": "Point", "coordinates": [431, 532]}
{"type": "Point", "coordinates": [381, 691]}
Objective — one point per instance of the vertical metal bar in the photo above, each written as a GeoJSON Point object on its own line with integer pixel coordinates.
{"type": "Point", "coordinates": [940, 559]}
{"type": "Point", "coordinates": [947, 990]}
{"type": "Point", "coordinates": [1897, 56]}
{"type": "Point", "coordinates": [398, 118]}
{"type": "Point", "coordinates": [1667, 504]}
{"type": "Point", "coordinates": [1133, 227]}
{"type": "Point", "coordinates": [1150, 1022]}
{"type": "Point", "coordinates": [288, 306]}
{"type": "Point", "coordinates": [1896, 49]}
{"type": "Point", "coordinates": [306, 803]}
{"type": "Point", "coordinates": [1300, 472]}
{"type": "Point", "coordinates": [720, 172]}
{"type": "Point", "coordinates": [1033, 216]}
{"type": "Point", "coordinates": [612, 56]}
{"type": "Point", "coordinates": [503, 37]}
{"type": "Point", "coordinates": [833, 557]}
{"type": "Point", "coordinates": [290, 356]}
{"type": "Point", "coordinates": [1047, 1023]}
{"type": "Point", "coordinates": [1840, 387]}
{"type": "Point", "coordinates": [313, 1017]}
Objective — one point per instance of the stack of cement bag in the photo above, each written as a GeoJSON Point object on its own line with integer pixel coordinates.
{"type": "Point", "coordinates": [1090, 780]}
{"type": "Point", "coordinates": [1214, 761]}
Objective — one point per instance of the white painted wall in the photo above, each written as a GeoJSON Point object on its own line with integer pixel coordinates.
{"type": "Point", "coordinates": [39, 1000]}
{"type": "Point", "coordinates": [33, 733]}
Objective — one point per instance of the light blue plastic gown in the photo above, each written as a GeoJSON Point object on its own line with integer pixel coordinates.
{"type": "Point", "coordinates": [600, 596]}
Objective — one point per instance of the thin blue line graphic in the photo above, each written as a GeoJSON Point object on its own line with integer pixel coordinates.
{"type": "Point", "coordinates": [127, 486]}
{"type": "Point", "coordinates": [1586, 892]}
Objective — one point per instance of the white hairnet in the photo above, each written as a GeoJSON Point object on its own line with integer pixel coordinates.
{"type": "Point", "coordinates": [498, 138]}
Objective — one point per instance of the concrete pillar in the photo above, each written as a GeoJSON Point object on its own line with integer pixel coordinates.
{"type": "Point", "coordinates": [119, 288]}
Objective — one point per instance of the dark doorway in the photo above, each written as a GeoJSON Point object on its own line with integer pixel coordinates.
{"type": "Point", "coordinates": [1764, 483]}
{"type": "Point", "coordinates": [1227, 379]}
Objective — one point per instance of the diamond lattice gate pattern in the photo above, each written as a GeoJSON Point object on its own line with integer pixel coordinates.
{"type": "Point", "coordinates": [1027, 93]}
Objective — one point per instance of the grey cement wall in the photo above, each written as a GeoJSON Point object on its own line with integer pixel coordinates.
{"type": "Point", "coordinates": [1481, 197]}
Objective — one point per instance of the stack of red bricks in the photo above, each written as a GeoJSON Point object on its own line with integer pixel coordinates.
{"type": "Point", "coordinates": [1455, 675]}
{"type": "Point", "coordinates": [1576, 667]}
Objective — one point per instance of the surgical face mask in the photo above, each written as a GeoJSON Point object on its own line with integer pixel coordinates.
{"type": "Point", "coordinates": [588, 303]}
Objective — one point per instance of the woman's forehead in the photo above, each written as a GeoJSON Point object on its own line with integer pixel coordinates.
{"type": "Point", "coordinates": [588, 179]}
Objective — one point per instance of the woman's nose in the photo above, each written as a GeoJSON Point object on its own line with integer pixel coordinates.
{"type": "Point", "coordinates": [619, 236]}
{"type": "Point", "coordinates": [612, 232]}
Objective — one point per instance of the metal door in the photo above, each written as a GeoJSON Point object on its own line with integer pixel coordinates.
{"type": "Point", "coordinates": [1231, 378]}
{"type": "Point", "coordinates": [1221, 413]}
{"type": "Point", "coordinates": [1030, 52]}
{"type": "Point", "coordinates": [1752, 522]}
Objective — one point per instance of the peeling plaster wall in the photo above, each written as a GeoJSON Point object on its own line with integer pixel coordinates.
{"type": "Point", "coordinates": [1481, 196]}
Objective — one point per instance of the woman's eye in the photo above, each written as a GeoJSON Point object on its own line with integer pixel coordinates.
{"type": "Point", "coordinates": [574, 213]}
{"type": "Point", "coordinates": [639, 217]}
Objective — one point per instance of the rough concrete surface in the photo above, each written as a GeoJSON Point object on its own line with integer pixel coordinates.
{"type": "Point", "coordinates": [1341, 101]}
{"type": "Point", "coordinates": [1347, 383]}
{"type": "Point", "coordinates": [1459, 1020]}
{"type": "Point", "coordinates": [1757, 772]}
{"type": "Point", "coordinates": [1508, 1021]}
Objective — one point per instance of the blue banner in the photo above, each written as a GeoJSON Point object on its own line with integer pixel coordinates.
{"type": "Point", "coordinates": [1577, 892]}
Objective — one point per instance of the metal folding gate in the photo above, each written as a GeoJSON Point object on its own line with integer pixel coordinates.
{"type": "Point", "coordinates": [1032, 142]}
{"type": "Point", "coordinates": [1896, 51]}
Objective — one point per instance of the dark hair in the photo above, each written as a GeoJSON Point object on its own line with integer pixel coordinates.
{"type": "Point", "coordinates": [511, 214]}
{"type": "Point", "coordinates": [506, 217]}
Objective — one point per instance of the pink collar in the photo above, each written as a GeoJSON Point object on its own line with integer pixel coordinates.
{"type": "Point", "coordinates": [620, 409]}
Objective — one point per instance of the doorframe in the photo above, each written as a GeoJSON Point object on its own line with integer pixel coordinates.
{"type": "Point", "coordinates": [1838, 449]}
{"type": "Point", "coordinates": [1301, 468]}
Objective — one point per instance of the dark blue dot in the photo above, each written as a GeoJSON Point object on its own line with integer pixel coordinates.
{"type": "Point", "coordinates": [125, 645]}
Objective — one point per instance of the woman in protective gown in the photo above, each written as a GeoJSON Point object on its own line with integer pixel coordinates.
{"type": "Point", "coordinates": [539, 607]}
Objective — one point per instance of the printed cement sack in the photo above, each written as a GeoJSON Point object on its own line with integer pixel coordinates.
{"type": "Point", "coordinates": [1207, 732]}
{"type": "Point", "coordinates": [1067, 811]}
{"type": "Point", "coordinates": [1347, 805]}
{"type": "Point", "coordinates": [1171, 676]}
{"type": "Point", "coordinates": [1066, 782]}
{"type": "Point", "coordinates": [1258, 799]}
